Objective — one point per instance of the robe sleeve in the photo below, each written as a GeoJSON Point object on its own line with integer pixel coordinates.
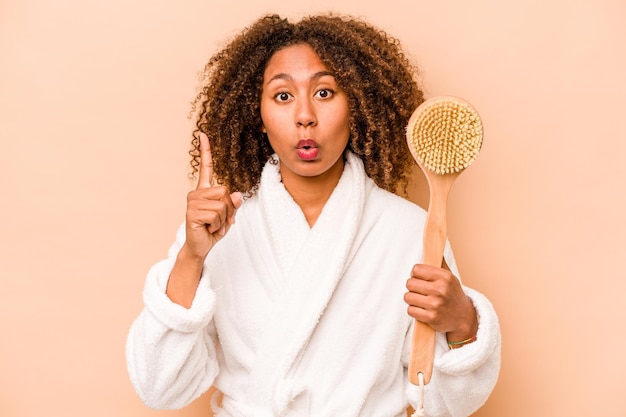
{"type": "Point", "coordinates": [170, 350]}
{"type": "Point", "coordinates": [462, 378]}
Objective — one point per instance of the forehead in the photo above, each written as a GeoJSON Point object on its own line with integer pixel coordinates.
{"type": "Point", "coordinates": [293, 60]}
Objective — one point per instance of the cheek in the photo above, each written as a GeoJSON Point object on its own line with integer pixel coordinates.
{"type": "Point", "coordinates": [344, 125]}
{"type": "Point", "coordinates": [342, 113]}
{"type": "Point", "coordinates": [273, 121]}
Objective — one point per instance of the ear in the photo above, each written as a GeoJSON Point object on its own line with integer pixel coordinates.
{"type": "Point", "coordinates": [263, 129]}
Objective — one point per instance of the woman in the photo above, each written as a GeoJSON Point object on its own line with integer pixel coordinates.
{"type": "Point", "coordinates": [287, 285]}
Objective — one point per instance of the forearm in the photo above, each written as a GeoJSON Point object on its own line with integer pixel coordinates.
{"type": "Point", "coordinates": [170, 350]}
{"type": "Point", "coordinates": [184, 278]}
{"type": "Point", "coordinates": [466, 332]}
{"type": "Point", "coordinates": [463, 378]}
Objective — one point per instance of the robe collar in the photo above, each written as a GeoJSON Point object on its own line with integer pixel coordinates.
{"type": "Point", "coordinates": [310, 263]}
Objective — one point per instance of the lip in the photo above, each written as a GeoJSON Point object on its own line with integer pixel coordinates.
{"type": "Point", "coordinates": [306, 143]}
{"type": "Point", "coordinates": [307, 149]}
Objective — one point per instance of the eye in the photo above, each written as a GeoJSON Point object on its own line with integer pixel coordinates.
{"type": "Point", "coordinates": [282, 97]}
{"type": "Point", "coordinates": [324, 93]}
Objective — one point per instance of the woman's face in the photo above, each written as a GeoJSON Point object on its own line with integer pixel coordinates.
{"type": "Point", "coordinates": [305, 115]}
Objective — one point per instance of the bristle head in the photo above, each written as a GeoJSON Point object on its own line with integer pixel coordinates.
{"type": "Point", "coordinates": [445, 134]}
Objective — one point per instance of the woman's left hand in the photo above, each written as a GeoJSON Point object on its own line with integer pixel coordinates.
{"type": "Point", "coordinates": [436, 298]}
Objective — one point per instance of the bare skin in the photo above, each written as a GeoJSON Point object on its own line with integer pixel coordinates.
{"type": "Point", "coordinates": [210, 214]}
{"type": "Point", "coordinates": [305, 116]}
{"type": "Point", "coordinates": [435, 297]}
{"type": "Point", "coordinates": [301, 101]}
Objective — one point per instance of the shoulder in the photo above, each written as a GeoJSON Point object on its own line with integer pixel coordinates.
{"type": "Point", "coordinates": [392, 206]}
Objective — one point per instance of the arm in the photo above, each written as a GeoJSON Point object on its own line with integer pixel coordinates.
{"type": "Point", "coordinates": [170, 348]}
{"type": "Point", "coordinates": [463, 378]}
{"type": "Point", "coordinates": [210, 214]}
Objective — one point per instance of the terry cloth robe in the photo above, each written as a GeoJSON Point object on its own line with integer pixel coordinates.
{"type": "Point", "coordinates": [290, 320]}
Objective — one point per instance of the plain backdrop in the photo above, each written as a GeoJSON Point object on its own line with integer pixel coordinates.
{"type": "Point", "coordinates": [94, 99]}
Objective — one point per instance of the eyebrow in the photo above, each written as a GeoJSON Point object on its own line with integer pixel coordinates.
{"type": "Point", "coordinates": [287, 77]}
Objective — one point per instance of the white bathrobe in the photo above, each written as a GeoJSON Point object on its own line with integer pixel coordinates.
{"type": "Point", "coordinates": [290, 320]}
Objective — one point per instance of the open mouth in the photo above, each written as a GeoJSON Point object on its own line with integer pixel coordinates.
{"type": "Point", "coordinates": [307, 149]}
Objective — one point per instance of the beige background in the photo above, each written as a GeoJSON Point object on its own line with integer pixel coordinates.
{"type": "Point", "coordinates": [94, 98]}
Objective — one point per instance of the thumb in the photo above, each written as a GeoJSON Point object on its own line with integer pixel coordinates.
{"type": "Point", "coordinates": [237, 198]}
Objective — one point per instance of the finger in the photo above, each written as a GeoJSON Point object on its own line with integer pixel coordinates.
{"type": "Point", "coordinates": [416, 285]}
{"type": "Point", "coordinates": [205, 174]}
{"type": "Point", "coordinates": [237, 199]}
{"type": "Point", "coordinates": [210, 213]}
{"type": "Point", "coordinates": [421, 314]}
{"type": "Point", "coordinates": [216, 199]}
{"type": "Point", "coordinates": [416, 300]}
{"type": "Point", "coordinates": [428, 272]}
{"type": "Point", "coordinates": [424, 308]}
{"type": "Point", "coordinates": [202, 215]}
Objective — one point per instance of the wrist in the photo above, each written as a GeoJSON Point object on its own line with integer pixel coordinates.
{"type": "Point", "coordinates": [187, 255]}
{"type": "Point", "coordinates": [183, 280]}
{"type": "Point", "coordinates": [461, 343]}
{"type": "Point", "coordinates": [188, 265]}
{"type": "Point", "coordinates": [467, 330]}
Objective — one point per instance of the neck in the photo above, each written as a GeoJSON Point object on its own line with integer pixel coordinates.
{"type": "Point", "coordinates": [312, 193]}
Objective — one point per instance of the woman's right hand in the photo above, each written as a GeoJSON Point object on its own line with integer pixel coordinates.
{"type": "Point", "coordinates": [210, 209]}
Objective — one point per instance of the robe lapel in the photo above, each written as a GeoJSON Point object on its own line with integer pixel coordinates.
{"type": "Point", "coordinates": [312, 262]}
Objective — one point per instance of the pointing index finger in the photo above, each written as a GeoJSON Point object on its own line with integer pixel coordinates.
{"type": "Point", "coordinates": [205, 174]}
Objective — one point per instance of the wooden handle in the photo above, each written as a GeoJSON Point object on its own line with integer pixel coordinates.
{"type": "Point", "coordinates": [422, 352]}
{"type": "Point", "coordinates": [435, 230]}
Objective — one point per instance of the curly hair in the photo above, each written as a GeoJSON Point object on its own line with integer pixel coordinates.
{"type": "Point", "coordinates": [368, 65]}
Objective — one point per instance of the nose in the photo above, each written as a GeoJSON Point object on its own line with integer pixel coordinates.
{"type": "Point", "coordinates": [305, 113]}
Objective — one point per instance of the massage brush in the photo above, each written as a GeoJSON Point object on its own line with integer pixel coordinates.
{"type": "Point", "coordinates": [444, 135]}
